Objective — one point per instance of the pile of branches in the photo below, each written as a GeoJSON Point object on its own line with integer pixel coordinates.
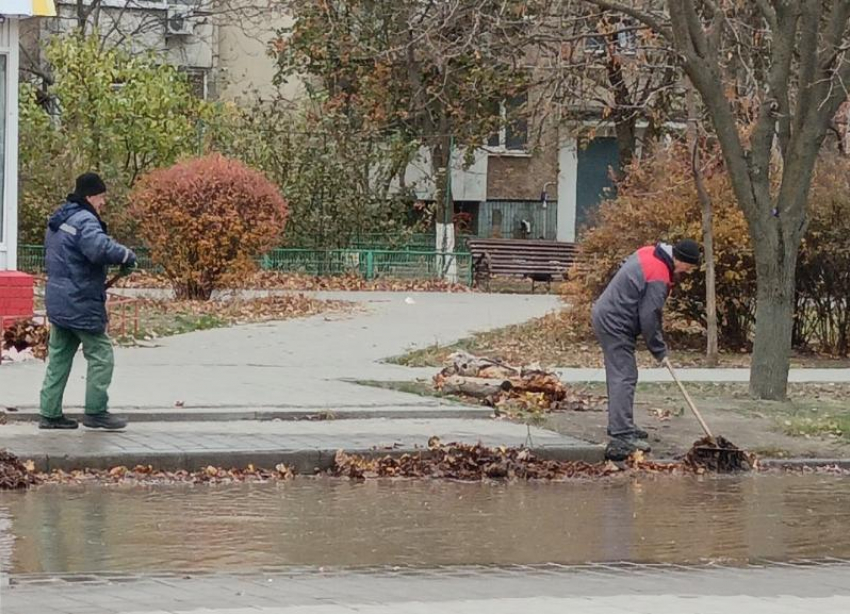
{"type": "Point", "coordinates": [511, 389]}
{"type": "Point", "coordinates": [23, 340]}
{"type": "Point", "coordinates": [473, 463]}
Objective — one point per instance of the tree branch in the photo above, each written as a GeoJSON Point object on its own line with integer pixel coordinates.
{"type": "Point", "coordinates": [640, 16]}
{"type": "Point", "coordinates": [769, 13]}
{"type": "Point", "coordinates": [776, 94]}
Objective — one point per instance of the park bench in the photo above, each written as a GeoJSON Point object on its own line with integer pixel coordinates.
{"type": "Point", "coordinates": [538, 261]}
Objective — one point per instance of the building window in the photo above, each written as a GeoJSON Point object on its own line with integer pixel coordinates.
{"type": "Point", "coordinates": [3, 107]}
{"type": "Point", "coordinates": [197, 80]}
{"type": "Point", "coordinates": [623, 33]}
{"type": "Point", "coordinates": [513, 135]}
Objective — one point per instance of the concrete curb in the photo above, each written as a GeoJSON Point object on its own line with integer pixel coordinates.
{"type": "Point", "coordinates": [801, 463]}
{"type": "Point", "coordinates": [304, 462]}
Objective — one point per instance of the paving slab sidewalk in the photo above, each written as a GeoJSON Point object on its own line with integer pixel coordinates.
{"type": "Point", "coordinates": [305, 445]}
{"type": "Point", "coordinates": [306, 363]}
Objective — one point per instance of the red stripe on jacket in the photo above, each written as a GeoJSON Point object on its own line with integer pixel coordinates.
{"type": "Point", "coordinates": [654, 269]}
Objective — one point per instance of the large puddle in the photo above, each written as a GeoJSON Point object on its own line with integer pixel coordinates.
{"type": "Point", "coordinates": [339, 523]}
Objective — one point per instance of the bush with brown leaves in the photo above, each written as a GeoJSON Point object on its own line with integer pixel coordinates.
{"type": "Point", "coordinates": [658, 202]}
{"type": "Point", "coordinates": [206, 220]}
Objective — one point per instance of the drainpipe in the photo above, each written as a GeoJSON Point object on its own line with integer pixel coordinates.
{"type": "Point", "coordinates": [544, 197]}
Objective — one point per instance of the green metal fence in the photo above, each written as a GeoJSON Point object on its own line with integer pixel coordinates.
{"type": "Point", "coordinates": [368, 263]}
{"type": "Point", "coordinates": [411, 242]}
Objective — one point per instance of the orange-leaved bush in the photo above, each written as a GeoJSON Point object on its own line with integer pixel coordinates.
{"type": "Point", "coordinates": [206, 219]}
{"type": "Point", "coordinates": [658, 202]}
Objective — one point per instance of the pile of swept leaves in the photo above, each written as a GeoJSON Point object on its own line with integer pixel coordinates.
{"type": "Point", "coordinates": [23, 340]}
{"type": "Point", "coordinates": [514, 390]}
{"type": "Point", "coordinates": [14, 474]}
{"type": "Point", "coordinates": [719, 455]}
{"type": "Point", "coordinates": [145, 474]}
{"type": "Point", "coordinates": [473, 463]}
{"type": "Point", "coordinates": [273, 280]}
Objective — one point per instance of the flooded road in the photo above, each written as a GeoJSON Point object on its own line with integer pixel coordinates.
{"type": "Point", "coordinates": [338, 523]}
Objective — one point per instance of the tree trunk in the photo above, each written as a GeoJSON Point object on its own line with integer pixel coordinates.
{"type": "Point", "coordinates": [712, 352]}
{"type": "Point", "coordinates": [477, 387]}
{"type": "Point", "coordinates": [441, 153]}
{"type": "Point", "coordinates": [711, 349]}
{"type": "Point", "coordinates": [776, 263]}
{"type": "Point", "coordinates": [440, 159]}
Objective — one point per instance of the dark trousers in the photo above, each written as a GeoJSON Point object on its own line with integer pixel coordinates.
{"type": "Point", "coordinates": [621, 376]}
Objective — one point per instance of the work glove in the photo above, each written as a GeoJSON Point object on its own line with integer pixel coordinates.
{"type": "Point", "coordinates": [127, 269]}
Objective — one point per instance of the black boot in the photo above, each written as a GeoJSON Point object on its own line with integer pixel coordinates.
{"type": "Point", "coordinates": [61, 423]}
{"type": "Point", "coordinates": [638, 433]}
{"type": "Point", "coordinates": [104, 420]}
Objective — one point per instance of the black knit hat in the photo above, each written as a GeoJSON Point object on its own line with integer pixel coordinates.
{"type": "Point", "coordinates": [89, 184]}
{"type": "Point", "coordinates": [687, 251]}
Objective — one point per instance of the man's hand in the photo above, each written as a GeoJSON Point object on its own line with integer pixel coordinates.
{"type": "Point", "coordinates": [127, 269]}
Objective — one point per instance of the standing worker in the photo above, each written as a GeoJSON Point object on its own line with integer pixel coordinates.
{"type": "Point", "coordinates": [630, 306]}
{"type": "Point", "coordinates": [79, 251]}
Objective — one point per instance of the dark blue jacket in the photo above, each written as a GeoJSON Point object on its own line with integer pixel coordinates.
{"type": "Point", "coordinates": [78, 254]}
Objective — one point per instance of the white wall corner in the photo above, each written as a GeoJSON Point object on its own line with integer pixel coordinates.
{"type": "Point", "coordinates": [9, 240]}
{"type": "Point", "coordinates": [567, 186]}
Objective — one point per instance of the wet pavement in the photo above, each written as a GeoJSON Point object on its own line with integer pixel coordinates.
{"type": "Point", "coordinates": [820, 588]}
{"type": "Point", "coordinates": [337, 523]}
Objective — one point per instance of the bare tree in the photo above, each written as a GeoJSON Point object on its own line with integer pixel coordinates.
{"type": "Point", "coordinates": [771, 75]}
{"type": "Point", "coordinates": [430, 73]}
{"type": "Point", "coordinates": [598, 67]}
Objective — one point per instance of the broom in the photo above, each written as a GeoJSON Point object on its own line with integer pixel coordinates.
{"type": "Point", "coordinates": [710, 452]}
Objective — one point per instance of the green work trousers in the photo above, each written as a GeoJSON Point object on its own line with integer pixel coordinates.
{"type": "Point", "coordinates": [63, 345]}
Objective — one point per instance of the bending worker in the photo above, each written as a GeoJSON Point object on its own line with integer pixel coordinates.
{"type": "Point", "coordinates": [631, 306]}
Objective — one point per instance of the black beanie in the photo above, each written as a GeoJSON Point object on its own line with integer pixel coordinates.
{"type": "Point", "coordinates": [687, 251]}
{"type": "Point", "coordinates": [89, 184]}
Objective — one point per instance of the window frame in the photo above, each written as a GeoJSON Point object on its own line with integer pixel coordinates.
{"type": "Point", "coordinates": [501, 146]}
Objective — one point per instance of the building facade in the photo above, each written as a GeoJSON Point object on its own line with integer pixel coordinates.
{"type": "Point", "coordinates": [515, 188]}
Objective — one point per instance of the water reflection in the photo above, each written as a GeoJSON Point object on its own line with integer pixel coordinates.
{"type": "Point", "coordinates": [340, 523]}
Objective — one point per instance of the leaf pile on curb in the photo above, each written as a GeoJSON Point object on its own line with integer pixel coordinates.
{"type": "Point", "coordinates": [273, 280]}
{"type": "Point", "coordinates": [145, 474]}
{"type": "Point", "coordinates": [14, 474]}
{"type": "Point", "coordinates": [473, 463]}
{"type": "Point", "coordinates": [23, 340]}
{"type": "Point", "coordinates": [465, 462]}
{"type": "Point", "coordinates": [719, 455]}
{"type": "Point", "coordinates": [510, 389]}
